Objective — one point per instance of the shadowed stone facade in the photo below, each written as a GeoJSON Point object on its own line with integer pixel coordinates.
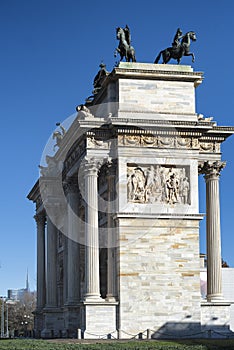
{"type": "Point", "coordinates": [118, 216]}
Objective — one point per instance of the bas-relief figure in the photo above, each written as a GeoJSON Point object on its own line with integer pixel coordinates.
{"type": "Point", "coordinates": [125, 49]}
{"type": "Point", "coordinates": [158, 184]}
{"type": "Point", "coordinates": [180, 47]}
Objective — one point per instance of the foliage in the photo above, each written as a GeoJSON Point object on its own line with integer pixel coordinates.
{"type": "Point", "coordinates": [20, 316]}
{"type": "Point", "coordinates": [27, 344]}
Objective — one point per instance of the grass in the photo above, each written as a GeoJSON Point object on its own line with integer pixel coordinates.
{"type": "Point", "coordinates": [34, 344]}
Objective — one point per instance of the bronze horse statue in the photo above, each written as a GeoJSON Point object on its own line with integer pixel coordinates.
{"type": "Point", "coordinates": [179, 50]}
{"type": "Point", "coordinates": [125, 49]}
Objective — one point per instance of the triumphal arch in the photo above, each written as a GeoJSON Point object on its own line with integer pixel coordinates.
{"type": "Point", "coordinates": [118, 216]}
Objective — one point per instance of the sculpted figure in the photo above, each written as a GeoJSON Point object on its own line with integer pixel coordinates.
{"type": "Point", "coordinates": [125, 49]}
{"type": "Point", "coordinates": [97, 83]}
{"type": "Point", "coordinates": [177, 37]}
{"type": "Point", "coordinates": [185, 190]}
{"type": "Point", "coordinates": [84, 112]}
{"type": "Point", "coordinates": [136, 185]}
{"type": "Point", "coordinates": [130, 186]}
{"type": "Point", "coordinates": [58, 135]}
{"type": "Point", "coordinates": [53, 168]}
{"type": "Point", "coordinates": [179, 48]}
{"type": "Point", "coordinates": [172, 186]}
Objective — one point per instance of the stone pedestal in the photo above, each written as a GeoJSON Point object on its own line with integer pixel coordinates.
{"type": "Point", "coordinates": [99, 320]}
{"type": "Point", "coordinates": [215, 319]}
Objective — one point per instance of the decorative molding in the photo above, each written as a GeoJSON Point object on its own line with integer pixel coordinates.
{"type": "Point", "coordinates": [172, 140]}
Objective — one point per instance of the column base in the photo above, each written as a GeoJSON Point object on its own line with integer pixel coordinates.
{"type": "Point", "coordinates": [93, 298]}
{"type": "Point", "coordinates": [212, 298]}
{"type": "Point", "coordinates": [110, 298]}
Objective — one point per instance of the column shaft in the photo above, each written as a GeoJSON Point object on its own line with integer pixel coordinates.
{"type": "Point", "coordinates": [73, 245]}
{"type": "Point", "coordinates": [214, 272]}
{"type": "Point", "coordinates": [51, 290]}
{"type": "Point", "coordinates": [213, 237]}
{"type": "Point", "coordinates": [41, 283]}
{"type": "Point", "coordinates": [111, 248]}
{"type": "Point", "coordinates": [92, 278]}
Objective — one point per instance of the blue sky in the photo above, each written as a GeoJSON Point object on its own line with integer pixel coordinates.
{"type": "Point", "coordinates": [50, 53]}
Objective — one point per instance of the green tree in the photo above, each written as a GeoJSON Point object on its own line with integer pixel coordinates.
{"type": "Point", "coordinates": [20, 314]}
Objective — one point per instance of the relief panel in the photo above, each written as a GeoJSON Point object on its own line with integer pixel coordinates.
{"type": "Point", "coordinates": [158, 184]}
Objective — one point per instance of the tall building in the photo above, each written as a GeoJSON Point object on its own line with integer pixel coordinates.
{"type": "Point", "coordinates": [18, 294]}
{"type": "Point", "coordinates": [118, 216]}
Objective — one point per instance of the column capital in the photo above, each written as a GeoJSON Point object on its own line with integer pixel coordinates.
{"type": "Point", "coordinates": [40, 218]}
{"type": "Point", "coordinates": [211, 169]}
{"type": "Point", "coordinates": [92, 165]}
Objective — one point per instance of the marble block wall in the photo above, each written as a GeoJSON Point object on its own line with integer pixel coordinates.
{"type": "Point", "coordinates": [159, 273]}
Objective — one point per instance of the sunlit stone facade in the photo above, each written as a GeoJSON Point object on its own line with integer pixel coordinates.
{"type": "Point", "coordinates": [118, 216]}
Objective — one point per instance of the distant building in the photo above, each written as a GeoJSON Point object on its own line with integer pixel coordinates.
{"type": "Point", "coordinates": [18, 294]}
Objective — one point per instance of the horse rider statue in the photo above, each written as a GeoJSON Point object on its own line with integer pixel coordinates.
{"type": "Point", "coordinates": [125, 49]}
{"type": "Point", "coordinates": [180, 47]}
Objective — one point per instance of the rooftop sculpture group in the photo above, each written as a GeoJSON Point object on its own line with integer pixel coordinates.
{"type": "Point", "coordinates": [180, 46]}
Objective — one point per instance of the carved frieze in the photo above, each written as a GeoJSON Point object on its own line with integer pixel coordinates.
{"type": "Point", "coordinates": [158, 184]}
{"type": "Point", "coordinates": [96, 143]}
{"type": "Point", "coordinates": [159, 141]}
{"type": "Point", "coordinates": [174, 140]}
{"type": "Point", "coordinates": [210, 147]}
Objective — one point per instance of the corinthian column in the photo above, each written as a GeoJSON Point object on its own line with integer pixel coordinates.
{"type": "Point", "coordinates": [71, 188]}
{"type": "Point", "coordinates": [41, 285]}
{"type": "Point", "coordinates": [51, 281]}
{"type": "Point", "coordinates": [92, 282]}
{"type": "Point", "coordinates": [213, 239]}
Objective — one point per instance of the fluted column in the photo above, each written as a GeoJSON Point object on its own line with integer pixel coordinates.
{"type": "Point", "coordinates": [92, 280]}
{"type": "Point", "coordinates": [51, 280]}
{"type": "Point", "coordinates": [71, 189]}
{"type": "Point", "coordinates": [41, 284]}
{"type": "Point", "coordinates": [211, 170]}
{"type": "Point", "coordinates": [111, 247]}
